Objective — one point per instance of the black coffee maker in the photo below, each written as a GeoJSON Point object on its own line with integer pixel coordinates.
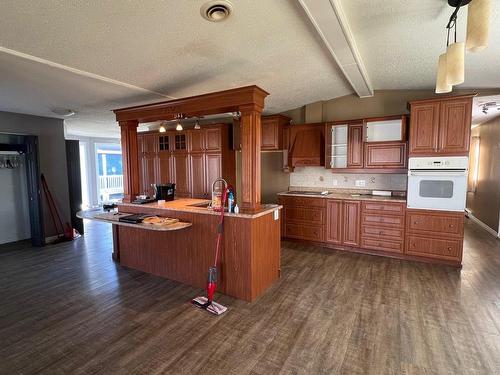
{"type": "Point", "coordinates": [164, 192]}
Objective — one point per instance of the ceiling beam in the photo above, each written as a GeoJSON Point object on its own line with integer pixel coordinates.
{"type": "Point", "coordinates": [330, 22]}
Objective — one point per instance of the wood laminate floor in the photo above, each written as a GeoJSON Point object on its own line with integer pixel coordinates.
{"type": "Point", "coordinates": [69, 308]}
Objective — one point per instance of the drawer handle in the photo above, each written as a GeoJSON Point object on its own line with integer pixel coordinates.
{"type": "Point", "coordinates": [449, 248]}
{"type": "Point", "coordinates": [415, 222]}
{"type": "Point", "coordinates": [451, 225]}
{"type": "Point", "coordinates": [414, 244]}
{"type": "Point", "coordinates": [381, 232]}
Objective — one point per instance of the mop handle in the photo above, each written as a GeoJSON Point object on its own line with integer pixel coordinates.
{"type": "Point", "coordinates": [220, 227]}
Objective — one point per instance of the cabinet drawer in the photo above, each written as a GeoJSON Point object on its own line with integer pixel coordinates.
{"type": "Point", "coordinates": [434, 248]}
{"type": "Point", "coordinates": [436, 224]}
{"type": "Point", "coordinates": [302, 201]}
{"type": "Point", "coordinates": [305, 232]}
{"type": "Point", "coordinates": [379, 244]}
{"type": "Point", "coordinates": [379, 207]}
{"type": "Point", "coordinates": [384, 233]}
{"type": "Point", "coordinates": [310, 215]}
{"type": "Point", "coordinates": [389, 221]}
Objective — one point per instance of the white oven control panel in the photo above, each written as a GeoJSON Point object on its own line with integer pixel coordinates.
{"type": "Point", "coordinates": [436, 162]}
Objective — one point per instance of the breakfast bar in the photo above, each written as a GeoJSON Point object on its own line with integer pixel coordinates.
{"type": "Point", "coordinates": [250, 256]}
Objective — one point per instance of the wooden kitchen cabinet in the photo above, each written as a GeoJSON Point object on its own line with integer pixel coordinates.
{"type": "Point", "coordinates": [440, 126]}
{"type": "Point", "coordinates": [192, 159]}
{"type": "Point", "coordinates": [198, 175]}
{"type": "Point", "coordinates": [180, 174]}
{"type": "Point", "coordinates": [435, 234]}
{"type": "Point", "coordinates": [355, 146]}
{"type": "Point", "coordinates": [352, 223]}
{"type": "Point", "coordinates": [334, 221]}
{"type": "Point", "coordinates": [385, 155]}
{"type": "Point", "coordinates": [272, 132]}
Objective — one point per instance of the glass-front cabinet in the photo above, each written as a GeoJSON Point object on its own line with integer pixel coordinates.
{"type": "Point", "coordinates": [338, 146]}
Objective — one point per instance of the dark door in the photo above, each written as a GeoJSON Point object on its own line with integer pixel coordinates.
{"type": "Point", "coordinates": [74, 182]}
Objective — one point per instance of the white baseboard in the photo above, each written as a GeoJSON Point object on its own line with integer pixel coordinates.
{"type": "Point", "coordinates": [481, 224]}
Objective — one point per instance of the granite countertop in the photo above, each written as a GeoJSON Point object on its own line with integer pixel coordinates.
{"type": "Point", "coordinates": [186, 205]}
{"type": "Point", "coordinates": [348, 194]}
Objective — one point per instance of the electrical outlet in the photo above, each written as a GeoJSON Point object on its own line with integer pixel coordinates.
{"type": "Point", "coordinates": [360, 183]}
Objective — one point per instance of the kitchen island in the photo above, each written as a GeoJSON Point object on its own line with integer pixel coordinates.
{"type": "Point", "coordinates": [250, 254]}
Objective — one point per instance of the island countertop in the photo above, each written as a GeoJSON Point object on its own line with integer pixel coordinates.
{"type": "Point", "coordinates": [193, 205]}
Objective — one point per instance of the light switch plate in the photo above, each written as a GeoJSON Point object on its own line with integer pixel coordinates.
{"type": "Point", "coordinates": [276, 214]}
{"type": "Point", "coordinates": [360, 183]}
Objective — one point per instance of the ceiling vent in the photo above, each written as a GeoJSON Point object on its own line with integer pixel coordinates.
{"type": "Point", "coordinates": [216, 11]}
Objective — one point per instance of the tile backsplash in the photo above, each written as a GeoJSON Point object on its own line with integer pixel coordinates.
{"type": "Point", "coordinates": [323, 178]}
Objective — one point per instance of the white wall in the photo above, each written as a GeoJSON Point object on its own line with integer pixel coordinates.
{"type": "Point", "coordinates": [14, 210]}
{"type": "Point", "coordinates": [52, 155]}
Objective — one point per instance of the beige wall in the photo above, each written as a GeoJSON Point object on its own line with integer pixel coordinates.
{"type": "Point", "coordinates": [274, 180]}
{"type": "Point", "coordinates": [350, 107]}
{"type": "Point", "coordinates": [485, 202]}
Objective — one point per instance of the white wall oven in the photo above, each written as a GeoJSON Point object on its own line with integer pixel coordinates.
{"type": "Point", "coordinates": [437, 183]}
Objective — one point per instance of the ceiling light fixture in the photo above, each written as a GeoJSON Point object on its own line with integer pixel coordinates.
{"type": "Point", "coordinates": [63, 112]}
{"type": "Point", "coordinates": [197, 125]}
{"type": "Point", "coordinates": [216, 11]}
{"type": "Point", "coordinates": [162, 129]}
{"type": "Point", "coordinates": [179, 126]}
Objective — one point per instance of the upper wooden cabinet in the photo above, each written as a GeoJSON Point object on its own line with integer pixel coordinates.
{"type": "Point", "coordinates": [371, 143]}
{"type": "Point", "coordinates": [440, 126]}
{"type": "Point", "coordinates": [272, 132]}
{"type": "Point", "coordinates": [355, 146]}
{"type": "Point", "coordinates": [206, 139]}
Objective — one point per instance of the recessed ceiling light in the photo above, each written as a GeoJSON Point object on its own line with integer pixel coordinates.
{"type": "Point", "coordinates": [63, 112]}
{"type": "Point", "coordinates": [216, 10]}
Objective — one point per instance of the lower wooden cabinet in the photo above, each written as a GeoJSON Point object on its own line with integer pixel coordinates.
{"type": "Point", "coordinates": [381, 227]}
{"type": "Point", "coordinates": [352, 223]}
{"type": "Point", "coordinates": [334, 221]}
{"type": "Point", "coordinates": [435, 234]}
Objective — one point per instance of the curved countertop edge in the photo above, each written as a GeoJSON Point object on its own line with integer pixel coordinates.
{"type": "Point", "coordinates": [91, 215]}
{"type": "Point", "coordinates": [348, 196]}
{"type": "Point", "coordinates": [177, 206]}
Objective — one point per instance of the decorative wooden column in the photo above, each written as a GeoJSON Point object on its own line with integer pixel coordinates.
{"type": "Point", "coordinates": [130, 158]}
{"type": "Point", "coordinates": [250, 157]}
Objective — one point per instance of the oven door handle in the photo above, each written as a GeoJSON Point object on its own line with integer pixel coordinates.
{"type": "Point", "coordinates": [438, 173]}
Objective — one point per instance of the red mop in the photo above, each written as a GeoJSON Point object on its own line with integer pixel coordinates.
{"type": "Point", "coordinates": [207, 303]}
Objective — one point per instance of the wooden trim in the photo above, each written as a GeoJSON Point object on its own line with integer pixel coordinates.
{"type": "Point", "coordinates": [232, 100]}
{"type": "Point", "coordinates": [440, 98]}
{"type": "Point", "coordinates": [130, 158]}
{"type": "Point", "coordinates": [251, 129]}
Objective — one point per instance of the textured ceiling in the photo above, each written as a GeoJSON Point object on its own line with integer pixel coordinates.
{"type": "Point", "coordinates": [400, 41]}
{"type": "Point", "coordinates": [166, 48]}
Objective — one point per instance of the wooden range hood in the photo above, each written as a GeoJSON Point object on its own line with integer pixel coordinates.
{"type": "Point", "coordinates": [248, 100]}
{"type": "Point", "coordinates": [307, 145]}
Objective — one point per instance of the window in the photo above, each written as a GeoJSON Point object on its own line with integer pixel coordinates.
{"type": "Point", "coordinates": [109, 172]}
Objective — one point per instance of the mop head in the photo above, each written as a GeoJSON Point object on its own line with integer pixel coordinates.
{"type": "Point", "coordinates": [214, 308]}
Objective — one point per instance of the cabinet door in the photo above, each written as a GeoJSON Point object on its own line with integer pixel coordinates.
{"type": "Point", "coordinates": [197, 171]}
{"type": "Point", "coordinates": [352, 223]}
{"type": "Point", "coordinates": [424, 128]}
{"type": "Point", "coordinates": [213, 167]}
{"type": "Point", "coordinates": [164, 168]}
{"type": "Point", "coordinates": [180, 172]}
{"type": "Point", "coordinates": [180, 142]}
{"type": "Point", "coordinates": [385, 155]}
{"type": "Point", "coordinates": [149, 143]}
{"type": "Point", "coordinates": [270, 138]}
{"type": "Point", "coordinates": [213, 139]}
{"type": "Point", "coordinates": [196, 140]}
{"type": "Point", "coordinates": [355, 146]}
{"type": "Point", "coordinates": [334, 220]}
{"type": "Point", "coordinates": [454, 127]}
{"type": "Point", "coordinates": [148, 167]}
